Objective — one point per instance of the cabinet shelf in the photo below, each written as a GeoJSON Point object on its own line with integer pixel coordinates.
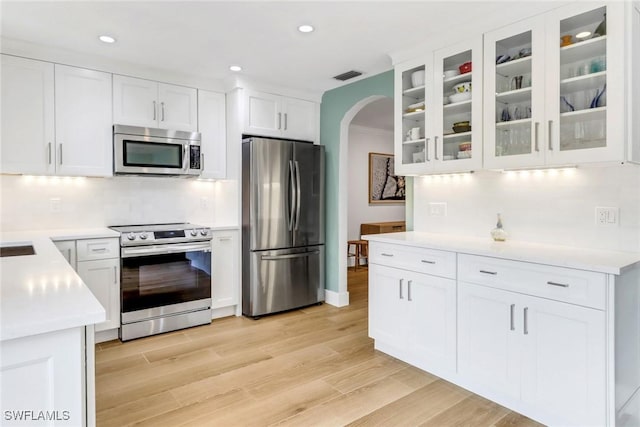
{"type": "Point", "coordinates": [514, 67]}
{"type": "Point", "coordinates": [513, 123]}
{"type": "Point", "coordinates": [514, 96]}
{"type": "Point", "coordinates": [585, 49]}
{"type": "Point", "coordinates": [414, 141]}
{"type": "Point", "coordinates": [458, 107]}
{"type": "Point", "coordinates": [588, 114]}
{"type": "Point", "coordinates": [453, 136]}
{"type": "Point", "coordinates": [589, 81]}
{"type": "Point", "coordinates": [416, 115]}
{"type": "Point", "coordinates": [414, 92]}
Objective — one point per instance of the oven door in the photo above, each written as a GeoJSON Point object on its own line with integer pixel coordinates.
{"type": "Point", "coordinates": [136, 154]}
{"type": "Point", "coordinates": [164, 279]}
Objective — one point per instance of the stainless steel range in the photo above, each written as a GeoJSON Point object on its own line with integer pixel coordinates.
{"type": "Point", "coordinates": [165, 281]}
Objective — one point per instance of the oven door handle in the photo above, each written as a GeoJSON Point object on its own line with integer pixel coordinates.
{"type": "Point", "coordinates": [165, 249]}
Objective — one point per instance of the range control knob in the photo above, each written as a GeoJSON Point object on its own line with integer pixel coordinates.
{"type": "Point", "coordinates": [143, 236]}
{"type": "Point", "coordinates": [131, 236]}
{"type": "Point", "coordinates": [193, 232]}
{"type": "Point", "coordinates": [204, 232]}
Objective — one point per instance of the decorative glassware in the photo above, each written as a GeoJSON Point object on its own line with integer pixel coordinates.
{"type": "Point", "coordinates": [498, 233]}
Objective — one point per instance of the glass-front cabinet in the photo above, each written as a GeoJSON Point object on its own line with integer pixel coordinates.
{"type": "Point", "coordinates": [438, 114]}
{"type": "Point", "coordinates": [554, 89]}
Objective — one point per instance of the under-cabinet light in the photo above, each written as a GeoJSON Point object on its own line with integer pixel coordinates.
{"type": "Point", "coordinates": [306, 28]}
{"type": "Point", "coordinates": [235, 68]}
{"type": "Point", "coordinates": [107, 39]}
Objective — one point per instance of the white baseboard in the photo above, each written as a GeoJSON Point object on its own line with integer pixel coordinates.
{"type": "Point", "coordinates": [217, 313]}
{"type": "Point", "coordinates": [337, 299]}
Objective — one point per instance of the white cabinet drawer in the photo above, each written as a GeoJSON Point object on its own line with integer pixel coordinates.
{"type": "Point", "coordinates": [91, 249]}
{"type": "Point", "coordinates": [581, 287]}
{"type": "Point", "coordinates": [421, 260]}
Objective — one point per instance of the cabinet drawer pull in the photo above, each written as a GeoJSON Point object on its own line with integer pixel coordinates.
{"type": "Point", "coordinates": [427, 261]}
{"type": "Point", "coordinates": [512, 310]}
{"type": "Point", "coordinates": [493, 273]}
{"type": "Point", "coordinates": [409, 290]}
{"type": "Point", "coordinates": [98, 249]}
{"type": "Point", "coordinates": [400, 288]}
{"type": "Point", "coordinates": [224, 239]}
{"type": "Point", "coordinates": [562, 285]}
{"type": "Point", "coordinates": [526, 320]}
{"type": "Point", "coordinates": [383, 254]}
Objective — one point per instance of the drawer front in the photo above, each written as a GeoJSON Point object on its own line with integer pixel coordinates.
{"type": "Point", "coordinates": [428, 261]}
{"type": "Point", "coordinates": [91, 249]}
{"type": "Point", "coordinates": [581, 287]}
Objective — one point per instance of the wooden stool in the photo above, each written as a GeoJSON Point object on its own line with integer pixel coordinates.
{"type": "Point", "coordinates": [360, 251]}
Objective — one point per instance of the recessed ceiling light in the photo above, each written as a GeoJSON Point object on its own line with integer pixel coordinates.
{"type": "Point", "coordinates": [107, 39]}
{"type": "Point", "coordinates": [306, 28]}
{"type": "Point", "coordinates": [583, 34]}
{"type": "Point", "coordinates": [235, 68]}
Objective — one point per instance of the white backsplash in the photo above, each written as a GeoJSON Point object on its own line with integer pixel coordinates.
{"type": "Point", "coordinates": [98, 202]}
{"type": "Point", "coordinates": [544, 207]}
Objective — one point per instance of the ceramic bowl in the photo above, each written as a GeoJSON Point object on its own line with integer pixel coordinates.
{"type": "Point", "coordinates": [465, 68]}
{"type": "Point", "coordinates": [459, 97]}
{"type": "Point", "coordinates": [451, 73]}
{"type": "Point", "coordinates": [464, 146]}
{"type": "Point", "coordinates": [418, 157]}
{"type": "Point", "coordinates": [464, 154]}
{"type": "Point", "coordinates": [417, 78]}
{"type": "Point", "coordinates": [462, 87]}
{"type": "Point", "coordinates": [458, 129]}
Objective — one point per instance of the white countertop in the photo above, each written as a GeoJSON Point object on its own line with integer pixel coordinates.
{"type": "Point", "coordinates": [42, 293]}
{"type": "Point", "coordinates": [602, 261]}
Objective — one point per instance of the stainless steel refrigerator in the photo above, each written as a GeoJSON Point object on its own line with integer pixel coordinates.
{"type": "Point", "coordinates": [282, 225]}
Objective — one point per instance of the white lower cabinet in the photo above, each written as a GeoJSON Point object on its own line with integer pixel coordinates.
{"type": "Point", "coordinates": [544, 353]}
{"type": "Point", "coordinates": [415, 315]}
{"type": "Point", "coordinates": [225, 278]}
{"type": "Point", "coordinates": [103, 278]}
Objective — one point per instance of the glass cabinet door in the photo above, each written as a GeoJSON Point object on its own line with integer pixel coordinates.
{"type": "Point", "coordinates": [414, 119]}
{"type": "Point", "coordinates": [583, 52]}
{"type": "Point", "coordinates": [457, 105]}
{"type": "Point", "coordinates": [514, 95]}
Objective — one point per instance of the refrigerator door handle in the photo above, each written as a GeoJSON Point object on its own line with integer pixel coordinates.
{"type": "Point", "coordinates": [297, 195]}
{"type": "Point", "coordinates": [293, 193]}
{"type": "Point", "coordinates": [289, 256]}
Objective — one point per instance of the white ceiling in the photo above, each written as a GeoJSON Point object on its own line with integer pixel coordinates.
{"type": "Point", "coordinates": [203, 38]}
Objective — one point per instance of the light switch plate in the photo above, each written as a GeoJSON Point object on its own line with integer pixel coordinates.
{"type": "Point", "coordinates": [607, 216]}
{"type": "Point", "coordinates": [55, 204]}
{"type": "Point", "coordinates": [438, 209]}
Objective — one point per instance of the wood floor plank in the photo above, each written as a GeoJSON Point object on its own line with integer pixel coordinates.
{"type": "Point", "coordinates": [136, 410]}
{"type": "Point", "coordinates": [513, 419]}
{"type": "Point", "coordinates": [473, 410]}
{"type": "Point", "coordinates": [378, 367]}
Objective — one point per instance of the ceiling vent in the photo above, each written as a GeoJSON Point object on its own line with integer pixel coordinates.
{"type": "Point", "coordinates": [348, 75]}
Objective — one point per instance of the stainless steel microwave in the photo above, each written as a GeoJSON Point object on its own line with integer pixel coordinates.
{"type": "Point", "coordinates": [149, 151]}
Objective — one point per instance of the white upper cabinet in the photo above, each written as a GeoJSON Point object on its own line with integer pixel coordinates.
{"type": "Point", "coordinates": [211, 124]}
{"type": "Point", "coordinates": [27, 124]}
{"type": "Point", "coordinates": [279, 116]}
{"type": "Point", "coordinates": [139, 102]}
{"type": "Point", "coordinates": [68, 133]}
{"type": "Point", "coordinates": [83, 122]}
{"type": "Point", "coordinates": [438, 116]}
{"type": "Point", "coordinates": [551, 97]}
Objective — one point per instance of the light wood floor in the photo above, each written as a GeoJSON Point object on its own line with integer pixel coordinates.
{"type": "Point", "coordinates": [310, 367]}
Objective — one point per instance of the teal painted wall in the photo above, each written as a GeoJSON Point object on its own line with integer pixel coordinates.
{"type": "Point", "coordinates": [335, 104]}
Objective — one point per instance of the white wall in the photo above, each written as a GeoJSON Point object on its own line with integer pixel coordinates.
{"type": "Point", "coordinates": [540, 207]}
{"type": "Point", "coordinates": [95, 202]}
{"type": "Point", "coordinates": [362, 141]}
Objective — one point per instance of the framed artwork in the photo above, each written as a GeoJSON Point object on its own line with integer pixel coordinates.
{"type": "Point", "coordinates": [384, 185]}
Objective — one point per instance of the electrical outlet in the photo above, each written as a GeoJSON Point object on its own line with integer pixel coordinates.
{"type": "Point", "coordinates": [438, 209]}
{"type": "Point", "coordinates": [55, 204]}
{"type": "Point", "coordinates": [607, 216]}
{"type": "Point", "coordinates": [204, 202]}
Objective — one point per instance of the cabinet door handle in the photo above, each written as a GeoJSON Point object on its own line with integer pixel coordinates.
{"type": "Point", "coordinates": [49, 152]}
{"type": "Point", "coordinates": [162, 105]}
{"type": "Point", "coordinates": [537, 126]}
{"type": "Point", "coordinates": [427, 261]}
{"type": "Point", "coordinates": [550, 136]}
{"type": "Point", "coordinates": [426, 149]}
{"type": "Point", "coordinates": [563, 285]}
{"type": "Point", "coordinates": [285, 121]}
{"type": "Point", "coordinates": [409, 290]}
{"type": "Point", "coordinates": [435, 147]}
{"type": "Point", "coordinates": [279, 120]}
{"type": "Point", "coordinates": [115, 274]}
{"type": "Point", "coordinates": [155, 107]}
{"type": "Point", "coordinates": [60, 153]}
{"type": "Point", "coordinates": [512, 310]}
{"type": "Point", "coordinates": [400, 288]}
{"type": "Point", "coordinates": [526, 320]}
{"type": "Point", "coordinates": [383, 254]}
{"type": "Point", "coordinates": [201, 162]}
{"type": "Point", "coordinates": [493, 273]}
